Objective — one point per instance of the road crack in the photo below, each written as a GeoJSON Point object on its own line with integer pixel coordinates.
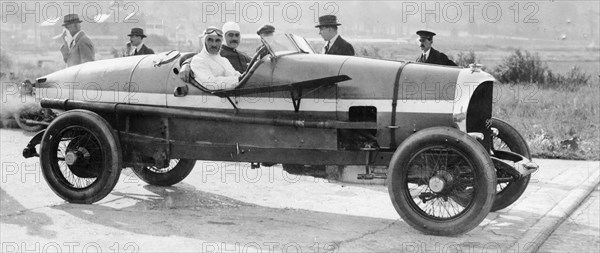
{"type": "Point", "coordinates": [21, 212]}
{"type": "Point", "coordinates": [372, 232]}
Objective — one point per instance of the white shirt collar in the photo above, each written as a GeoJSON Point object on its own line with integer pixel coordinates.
{"type": "Point", "coordinates": [70, 38]}
{"type": "Point", "coordinates": [427, 53]}
{"type": "Point", "coordinates": [331, 41]}
{"type": "Point", "coordinates": [132, 48]}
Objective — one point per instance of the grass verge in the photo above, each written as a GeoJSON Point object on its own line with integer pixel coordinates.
{"type": "Point", "coordinates": [555, 123]}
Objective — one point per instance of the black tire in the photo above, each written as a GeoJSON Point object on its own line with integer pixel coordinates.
{"type": "Point", "coordinates": [80, 157]}
{"type": "Point", "coordinates": [306, 170]}
{"type": "Point", "coordinates": [177, 170]}
{"type": "Point", "coordinates": [294, 169]}
{"type": "Point", "coordinates": [25, 113]}
{"type": "Point", "coordinates": [447, 154]}
{"type": "Point", "coordinates": [509, 139]}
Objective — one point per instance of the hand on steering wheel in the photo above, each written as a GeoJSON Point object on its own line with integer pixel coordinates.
{"type": "Point", "coordinates": [184, 72]}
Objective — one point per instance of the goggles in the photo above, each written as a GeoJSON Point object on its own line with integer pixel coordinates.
{"type": "Point", "coordinates": [210, 31]}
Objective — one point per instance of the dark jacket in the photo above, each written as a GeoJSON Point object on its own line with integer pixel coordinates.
{"type": "Point", "coordinates": [437, 57]}
{"type": "Point", "coordinates": [341, 47]}
{"type": "Point", "coordinates": [238, 60]}
{"type": "Point", "coordinates": [144, 50]}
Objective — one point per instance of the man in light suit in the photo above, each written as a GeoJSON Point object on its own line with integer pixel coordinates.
{"type": "Point", "coordinates": [136, 45]}
{"type": "Point", "coordinates": [428, 54]}
{"type": "Point", "coordinates": [328, 29]}
{"type": "Point", "coordinates": [77, 47]}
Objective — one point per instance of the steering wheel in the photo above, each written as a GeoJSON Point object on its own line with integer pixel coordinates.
{"type": "Point", "coordinates": [252, 66]}
{"type": "Point", "coordinates": [256, 57]}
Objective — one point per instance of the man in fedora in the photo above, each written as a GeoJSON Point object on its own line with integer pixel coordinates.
{"type": "Point", "coordinates": [428, 53]}
{"type": "Point", "coordinates": [136, 45]}
{"type": "Point", "coordinates": [77, 47]}
{"type": "Point", "coordinates": [328, 29]}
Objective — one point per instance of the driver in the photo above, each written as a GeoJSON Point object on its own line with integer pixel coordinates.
{"type": "Point", "coordinates": [211, 69]}
{"type": "Point", "coordinates": [264, 31]}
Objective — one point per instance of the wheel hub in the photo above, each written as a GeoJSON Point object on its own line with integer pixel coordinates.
{"type": "Point", "coordinates": [71, 157]}
{"type": "Point", "coordinates": [437, 184]}
{"type": "Point", "coordinates": [79, 161]}
{"type": "Point", "coordinates": [441, 182]}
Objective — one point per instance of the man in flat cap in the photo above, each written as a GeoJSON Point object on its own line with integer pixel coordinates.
{"type": "Point", "coordinates": [77, 47]}
{"type": "Point", "coordinates": [429, 54]}
{"type": "Point", "coordinates": [239, 60]}
{"type": "Point", "coordinates": [264, 31]}
{"type": "Point", "coordinates": [136, 45]}
{"type": "Point", "coordinates": [328, 29]}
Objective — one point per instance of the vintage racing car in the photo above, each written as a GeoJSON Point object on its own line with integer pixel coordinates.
{"type": "Point", "coordinates": [450, 163]}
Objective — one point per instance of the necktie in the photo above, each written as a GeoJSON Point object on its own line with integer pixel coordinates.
{"type": "Point", "coordinates": [135, 51]}
{"type": "Point", "coordinates": [72, 43]}
{"type": "Point", "coordinates": [423, 58]}
{"type": "Point", "coordinates": [327, 47]}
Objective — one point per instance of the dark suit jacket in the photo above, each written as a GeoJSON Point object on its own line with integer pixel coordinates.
{"type": "Point", "coordinates": [144, 50]}
{"type": "Point", "coordinates": [437, 57]}
{"type": "Point", "coordinates": [238, 60]}
{"type": "Point", "coordinates": [341, 47]}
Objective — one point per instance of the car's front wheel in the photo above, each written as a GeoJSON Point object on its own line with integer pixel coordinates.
{"type": "Point", "coordinates": [80, 157]}
{"type": "Point", "coordinates": [441, 181]}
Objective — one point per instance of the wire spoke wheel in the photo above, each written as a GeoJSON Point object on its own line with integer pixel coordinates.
{"type": "Point", "coordinates": [508, 188]}
{"type": "Point", "coordinates": [499, 144]}
{"type": "Point", "coordinates": [442, 184]}
{"type": "Point", "coordinates": [25, 113]}
{"type": "Point", "coordinates": [175, 172]}
{"type": "Point", "coordinates": [172, 164]}
{"type": "Point", "coordinates": [441, 181]}
{"type": "Point", "coordinates": [80, 157]}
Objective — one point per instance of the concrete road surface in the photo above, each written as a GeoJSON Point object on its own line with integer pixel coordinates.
{"type": "Point", "coordinates": [580, 232]}
{"type": "Point", "coordinates": [227, 207]}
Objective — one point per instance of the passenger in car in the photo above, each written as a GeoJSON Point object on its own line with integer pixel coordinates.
{"type": "Point", "coordinates": [210, 69]}
{"type": "Point", "coordinates": [428, 54]}
{"type": "Point", "coordinates": [328, 29]}
{"type": "Point", "coordinates": [239, 60]}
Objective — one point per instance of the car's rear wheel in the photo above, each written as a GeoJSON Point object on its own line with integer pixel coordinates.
{"type": "Point", "coordinates": [80, 157]}
{"type": "Point", "coordinates": [306, 170]}
{"type": "Point", "coordinates": [175, 172]}
{"type": "Point", "coordinates": [508, 139]}
{"type": "Point", "coordinates": [441, 181]}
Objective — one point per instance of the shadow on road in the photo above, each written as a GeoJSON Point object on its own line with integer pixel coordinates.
{"type": "Point", "coordinates": [184, 211]}
{"type": "Point", "coordinates": [11, 212]}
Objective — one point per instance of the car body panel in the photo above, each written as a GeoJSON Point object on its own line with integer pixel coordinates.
{"type": "Point", "coordinates": [398, 98]}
